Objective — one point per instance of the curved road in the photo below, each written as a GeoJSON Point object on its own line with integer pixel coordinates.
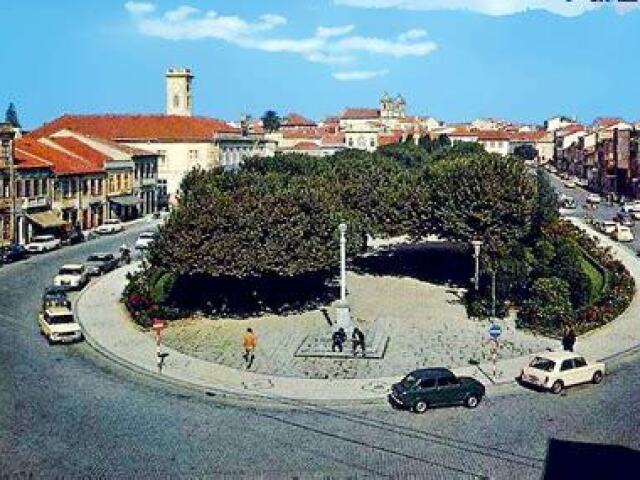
{"type": "Point", "coordinates": [66, 411]}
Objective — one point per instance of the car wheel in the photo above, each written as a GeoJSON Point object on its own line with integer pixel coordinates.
{"type": "Point", "coordinates": [472, 401]}
{"type": "Point", "coordinates": [597, 377]}
{"type": "Point", "coordinates": [49, 341]}
{"type": "Point", "coordinates": [420, 406]}
{"type": "Point", "coordinates": [557, 387]}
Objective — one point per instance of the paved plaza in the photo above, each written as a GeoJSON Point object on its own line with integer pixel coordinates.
{"type": "Point", "coordinates": [427, 326]}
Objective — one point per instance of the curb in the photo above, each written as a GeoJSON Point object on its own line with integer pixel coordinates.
{"type": "Point", "coordinates": [214, 391]}
{"type": "Point", "coordinates": [256, 396]}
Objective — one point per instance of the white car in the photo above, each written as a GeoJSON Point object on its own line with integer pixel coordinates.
{"type": "Point", "coordinates": [145, 240]}
{"type": "Point", "coordinates": [71, 276]}
{"type": "Point", "coordinates": [593, 198]}
{"type": "Point", "coordinates": [43, 243]}
{"type": "Point", "coordinates": [582, 182]}
{"type": "Point", "coordinates": [608, 227]}
{"type": "Point", "coordinates": [112, 225]}
{"type": "Point", "coordinates": [556, 370]}
{"type": "Point", "coordinates": [58, 325]}
{"type": "Point", "coordinates": [622, 233]}
{"type": "Point", "coordinates": [570, 183]}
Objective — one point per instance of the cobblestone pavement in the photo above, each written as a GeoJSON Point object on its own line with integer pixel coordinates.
{"type": "Point", "coordinates": [427, 326]}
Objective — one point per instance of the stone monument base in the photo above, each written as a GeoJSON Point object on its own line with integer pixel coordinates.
{"type": "Point", "coordinates": [318, 344]}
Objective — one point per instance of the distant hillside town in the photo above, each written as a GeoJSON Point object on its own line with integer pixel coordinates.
{"type": "Point", "coordinates": [78, 170]}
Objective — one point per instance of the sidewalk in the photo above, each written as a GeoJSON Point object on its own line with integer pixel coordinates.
{"type": "Point", "coordinates": [108, 329]}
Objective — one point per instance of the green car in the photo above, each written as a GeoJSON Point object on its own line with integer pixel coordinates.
{"type": "Point", "coordinates": [430, 387]}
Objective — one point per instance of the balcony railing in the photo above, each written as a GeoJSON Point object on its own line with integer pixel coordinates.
{"type": "Point", "coordinates": [35, 202]}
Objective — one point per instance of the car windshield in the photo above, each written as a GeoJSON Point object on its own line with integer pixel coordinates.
{"type": "Point", "coordinates": [111, 222]}
{"type": "Point", "coordinates": [70, 271]}
{"type": "Point", "coordinates": [147, 235]}
{"type": "Point", "coordinates": [41, 239]}
{"type": "Point", "coordinates": [60, 319]}
{"type": "Point", "coordinates": [542, 364]}
{"type": "Point", "coordinates": [409, 381]}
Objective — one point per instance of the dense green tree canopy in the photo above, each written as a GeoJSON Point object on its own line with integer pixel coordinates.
{"type": "Point", "coordinates": [479, 196]}
{"type": "Point", "coordinates": [11, 116]}
{"type": "Point", "coordinates": [270, 121]}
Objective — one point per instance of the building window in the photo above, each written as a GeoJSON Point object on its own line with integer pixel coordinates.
{"type": "Point", "coordinates": [176, 101]}
{"type": "Point", "coordinates": [372, 143]}
{"type": "Point", "coordinates": [193, 155]}
{"type": "Point", "coordinates": [351, 142]}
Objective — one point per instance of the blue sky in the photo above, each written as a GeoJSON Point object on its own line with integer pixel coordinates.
{"type": "Point", "coordinates": [523, 60]}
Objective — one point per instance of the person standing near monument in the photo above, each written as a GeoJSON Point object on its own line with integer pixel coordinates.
{"type": "Point", "coordinates": [337, 339]}
{"type": "Point", "coordinates": [357, 340]}
{"type": "Point", "coordinates": [249, 342]}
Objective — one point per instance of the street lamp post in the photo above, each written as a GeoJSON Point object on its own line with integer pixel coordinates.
{"type": "Point", "coordinates": [343, 313]}
{"type": "Point", "coordinates": [476, 255]}
{"type": "Point", "coordinates": [343, 262]}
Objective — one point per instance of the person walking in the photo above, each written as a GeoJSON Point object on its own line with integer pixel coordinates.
{"type": "Point", "coordinates": [357, 340]}
{"type": "Point", "coordinates": [337, 339]}
{"type": "Point", "coordinates": [568, 338]}
{"type": "Point", "coordinates": [249, 342]}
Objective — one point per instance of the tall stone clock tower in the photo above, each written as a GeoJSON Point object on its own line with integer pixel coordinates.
{"type": "Point", "coordinates": [179, 94]}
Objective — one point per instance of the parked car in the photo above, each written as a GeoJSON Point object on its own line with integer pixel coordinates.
{"type": "Point", "coordinates": [555, 371]}
{"type": "Point", "coordinates": [553, 169]}
{"type": "Point", "coordinates": [13, 253]}
{"type": "Point", "coordinates": [624, 219]}
{"type": "Point", "coordinates": [430, 387]}
{"type": "Point", "coordinates": [71, 276]}
{"type": "Point", "coordinates": [570, 183]}
{"type": "Point", "coordinates": [58, 325]}
{"type": "Point", "coordinates": [43, 243]}
{"type": "Point", "coordinates": [55, 297]}
{"type": "Point", "coordinates": [607, 227]}
{"type": "Point", "coordinates": [101, 263]}
{"type": "Point", "coordinates": [145, 240]}
{"type": "Point", "coordinates": [582, 182]}
{"type": "Point", "coordinates": [74, 237]}
{"type": "Point", "coordinates": [622, 233]}
{"type": "Point", "coordinates": [593, 198]}
{"type": "Point", "coordinates": [112, 225]}
{"type": "Point", "coordinates": [568, 203]}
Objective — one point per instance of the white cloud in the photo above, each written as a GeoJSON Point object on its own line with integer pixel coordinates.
{"type": "Point", "coordinates": [326, 32]}
{"type": "Point", "coordinates": [487, 7]}
{"type": "Point", "coordinates": [329, 44]}
{"type": "Point", "coordinates": [139, 8]}
{"type": "Point", "coordinates": [413, 34]}
{"type": "Point", "coordinates": [357, 75]}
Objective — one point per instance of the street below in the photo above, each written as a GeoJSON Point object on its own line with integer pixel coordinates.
{"type": "Point", "coordinates": [67, 411]}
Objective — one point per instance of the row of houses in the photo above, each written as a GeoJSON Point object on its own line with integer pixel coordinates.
{"type": "Point", "coordinates": [605, 154]}
{"type": "Point", "coordinates": [55, 183]}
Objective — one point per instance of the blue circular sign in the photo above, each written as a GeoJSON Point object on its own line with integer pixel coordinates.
{"type": "Point", "coordinates": [495, 331]}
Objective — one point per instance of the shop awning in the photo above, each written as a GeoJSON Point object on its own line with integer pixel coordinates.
{"type": "Point", "coordinates": [46, 219]}
{"type": "Point", "coordinates": [126, 200]}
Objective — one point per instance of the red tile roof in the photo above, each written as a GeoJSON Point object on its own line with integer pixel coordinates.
{"type": "Point", "coordinates": [297, 120]}
{"type": "Point", "coordinates": [360, 113]}
{"type": "Point", "coordinates": [306, 146]}
{"type": "Point", "coordinates": [138, 127]}
{"type": "Point", "coordinates": [303, 133]}
{"type": "Point", "coordinates": [333, 139]}
{"type": "Point", "coordinates": [535, 136]}
{"type": "Point", "coordinates": [61, 163]}
{"type": "Point", "coordinates": [389, 139]}
{"type": "Point", "coordinates": [76, 148]}
{"type": "Point", "coordinates": [607, 121]}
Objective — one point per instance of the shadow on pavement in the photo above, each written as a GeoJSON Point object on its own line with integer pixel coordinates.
{"type": "Point", "coordinates": [585, 461]}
